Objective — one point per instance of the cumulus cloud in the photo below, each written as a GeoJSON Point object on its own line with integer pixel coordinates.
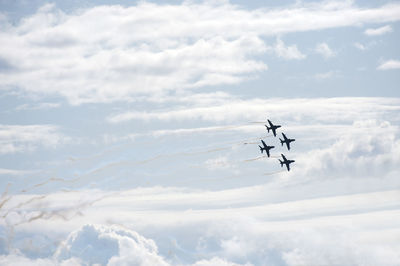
{"type": "Point", "coordinates": [20, 138]}
{"type": "Point", "coordinates": [229, 227]}
{"type": "Point", "coordinates": [91, 55]}
{"type": "Point", "coordinates": [370, 149]}
{"type": "Point", "coordinates": [114, 245]}
{"type": "Point", "coordinates": [324, 50]}
{"type": "Point", "coordinates": [389, 64]}
{"type": "Point", "coordinates": [378, 31]}
{"type": "Point", "coordinates": [218, 262]}
{"type": "Point", "coordinates": [18, 259]}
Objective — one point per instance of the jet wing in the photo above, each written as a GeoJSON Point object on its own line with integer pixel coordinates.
{"type": "Point", "coordinates": [288, 145]}
{"type": "Point", "coordinates": [265, 145]}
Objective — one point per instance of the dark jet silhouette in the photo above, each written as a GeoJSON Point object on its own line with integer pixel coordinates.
{"type": "Point", "coordinates": [272, 127]}
{"type": "Point", "coordinates": [286, 140]}
{"type": "Point", "coordinates": [286, 162]}
{"type": "Point", "coordinates": [266, 148]}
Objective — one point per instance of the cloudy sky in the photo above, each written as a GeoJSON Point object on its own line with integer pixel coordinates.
{"type": "Point", "coordinates": [129, 132]}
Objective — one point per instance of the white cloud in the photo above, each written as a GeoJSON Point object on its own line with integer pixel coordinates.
{"type": "Point", "coordinates": [40, 106]}
{"type": "Point", "coordinates": [287, 52]}
{"type": "Point", "coordinates": [339, 204]}
{"type": "Point", "coordinates": [389, 64]}
{"type": "Point", "coordinates": [92, 56]}
{"type": "Point", "coordinates": [115, 245]}
{"type": "Point", "coordinates": [218, 262]}
{"type": "Point", "coordinates": [20, 138]}
{"type": "Point", "coordinates": [324, 109]}
{"type": "Point", "coordinates": [378, 31]}
{"type": "Point", "coordinates": [226, 226]}
{"type": "Point", "coordinates": [324, 50]}
{"type": "Point", "coordinates": [326, 75]}
{"type": "Point", "coordinates": [360, 46]}
{"type": "Point", "coordinates": [364, 152]}
{"type": "Point", "coordinates": [4, 171]}
{"type": "Point", "coordinates": [217, 163]}
{"type": "Point", "coordinates": [20, 260]}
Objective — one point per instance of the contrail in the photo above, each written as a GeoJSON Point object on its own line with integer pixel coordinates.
{"type": "Point", "coordinates": [145, 161]}
{"type": "Point", "coordinates": [64, 213]}
{"type": "Point", "coordinates": [261, 157]}
{"type": "Point", "coordinates": [21, 204]}
{"type": "Point", "coordinates": [4, 196]}
{"type": "Point", "coordinates": [255, 159]}
{"type": "Point", "coordinates": [160, 156]}
{"type": "Point", "coordinates": [276, 172]}
{"type": "Point", "coordinates": [52, 179]}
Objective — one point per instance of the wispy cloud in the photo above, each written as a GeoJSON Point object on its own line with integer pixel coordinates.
{"type": "Point", "coordinates": [4, 171]}
{"type": "Point", "coordinates": [378, 31]}
{"type": "Point", "coordinates": [211, 43]}
{"type": "Point", "coordinates": [326, 75]}
{"type": "Point", "coordinates": [255, 109]}
{"type": "Point", "coordinates": [40, 106]}
{"type": "Point", "coordinates": [217, 163]}
{"type": "Point", "coordinates": [324, 50]}
{"type": "Point", "coordinates": [360, 46]}
{"type": "Point", "coordinates": [389, 64]}
{"type": "Point", "coordinates": [21, 138]}
{"type": "Point", "coordinates": [287, 52]}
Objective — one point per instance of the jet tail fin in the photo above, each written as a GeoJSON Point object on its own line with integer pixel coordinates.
{"type": "Point", "coordinates": [281, 162]}
{"type": "Point", "coordinates": [267, 128]}
{"type": "Point", "coordinates": [261, 149]}
{"type": "Point", "coordinates": [281, 141]}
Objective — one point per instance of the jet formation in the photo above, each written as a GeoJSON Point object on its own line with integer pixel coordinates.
{"type": "Point", "coordinates": [285, 140]}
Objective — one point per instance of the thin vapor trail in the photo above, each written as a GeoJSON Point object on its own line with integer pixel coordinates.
{"type": "Point", "coordinates": [145, 161]}
{"type": "Point", "coordinates": [260, 157]}
{"type": "Point", "coordinates": [21, 204]}
{"type": "Point", "coordinates": [52, 179]}
{"type": "Point", "coordinates": [161, 156]}
{"type": "Point", "coordinates": [4, 198]}
{"type": "Point", "coordinates": [276, 172]}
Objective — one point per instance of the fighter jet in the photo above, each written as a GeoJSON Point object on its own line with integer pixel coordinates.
{"type": "Point", "coordinates": [272, 127]}
{"type": "Point", "coordinates": [286, 140]}
{"type": "Point", "coordinates": [286, 162]}
{"type": "Point", "coordinates": [266, 148]}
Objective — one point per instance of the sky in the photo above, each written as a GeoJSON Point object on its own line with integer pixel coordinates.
{"type": "Point", "coordinates": [129, 132]}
